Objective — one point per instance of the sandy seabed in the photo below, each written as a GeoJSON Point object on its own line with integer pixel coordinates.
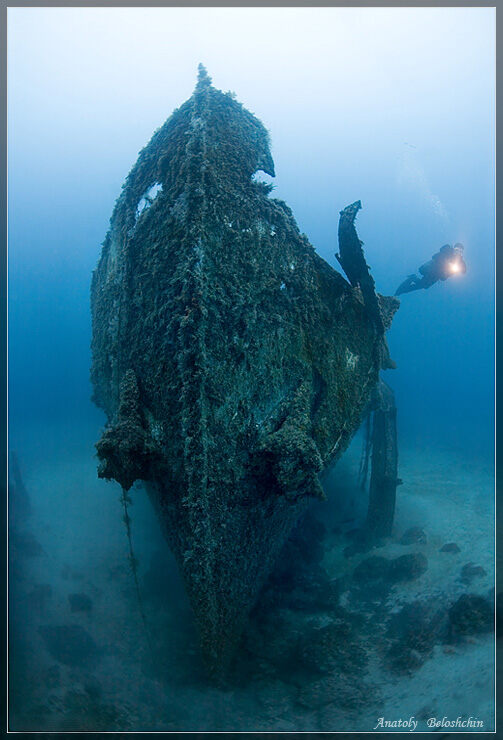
{"type": "Point", "coordinates": [81, 657]}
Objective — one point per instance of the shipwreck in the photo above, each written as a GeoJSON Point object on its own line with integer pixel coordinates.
{"type": "Point", "coordinates": [233, 363]}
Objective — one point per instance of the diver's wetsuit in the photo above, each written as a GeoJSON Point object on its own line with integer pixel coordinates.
{"type": "Point", "coordinates": [446, 262]}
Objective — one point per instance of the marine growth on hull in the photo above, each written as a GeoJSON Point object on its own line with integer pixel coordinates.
{"type": "Point", "coordinates": [233, 363]}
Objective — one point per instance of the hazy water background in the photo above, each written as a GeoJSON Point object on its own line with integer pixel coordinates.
{"type": "Point", "coordinates": [391, 106]}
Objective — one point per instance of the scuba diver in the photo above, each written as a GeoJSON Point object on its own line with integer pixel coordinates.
{"type": "Point", "coordinates": [446, 262]}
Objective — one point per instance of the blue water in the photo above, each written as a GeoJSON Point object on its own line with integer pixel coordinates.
{"type": "Point", "coordinates": [394, 110]}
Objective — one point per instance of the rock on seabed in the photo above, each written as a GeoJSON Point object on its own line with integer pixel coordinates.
{"type": "Point", "coordinates": [233, 363]}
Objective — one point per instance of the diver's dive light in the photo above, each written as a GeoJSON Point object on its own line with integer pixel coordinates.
{"type": "Point", "coordinates": [454, 267]}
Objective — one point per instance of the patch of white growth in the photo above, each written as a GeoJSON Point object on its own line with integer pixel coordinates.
{"type": "Point", "coordinates": [351, 359]}
{"type": "Point", "coordinates": [282, 286]}
{"type": "Point", "coordinates": [261, 227]}
{"type": "Point", "coordinates": [141, 206]}
{"type": "Point", "coordinates": [148, 198]}
{"type": "Point", "coordinates": [292, 265]}
{"type": "Point", "coordinates": [154, 190]}
{"type": "Point", "coordinates": [262, 177]}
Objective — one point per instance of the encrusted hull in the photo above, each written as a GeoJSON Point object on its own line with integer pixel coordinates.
{"type": "Point", "coordinates": [223, 588]}
{"type": "Point", "coordinates": [233, 363]}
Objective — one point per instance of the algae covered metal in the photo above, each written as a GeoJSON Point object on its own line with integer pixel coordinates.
{"type": "Point", "coordinates": [233, 363]}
